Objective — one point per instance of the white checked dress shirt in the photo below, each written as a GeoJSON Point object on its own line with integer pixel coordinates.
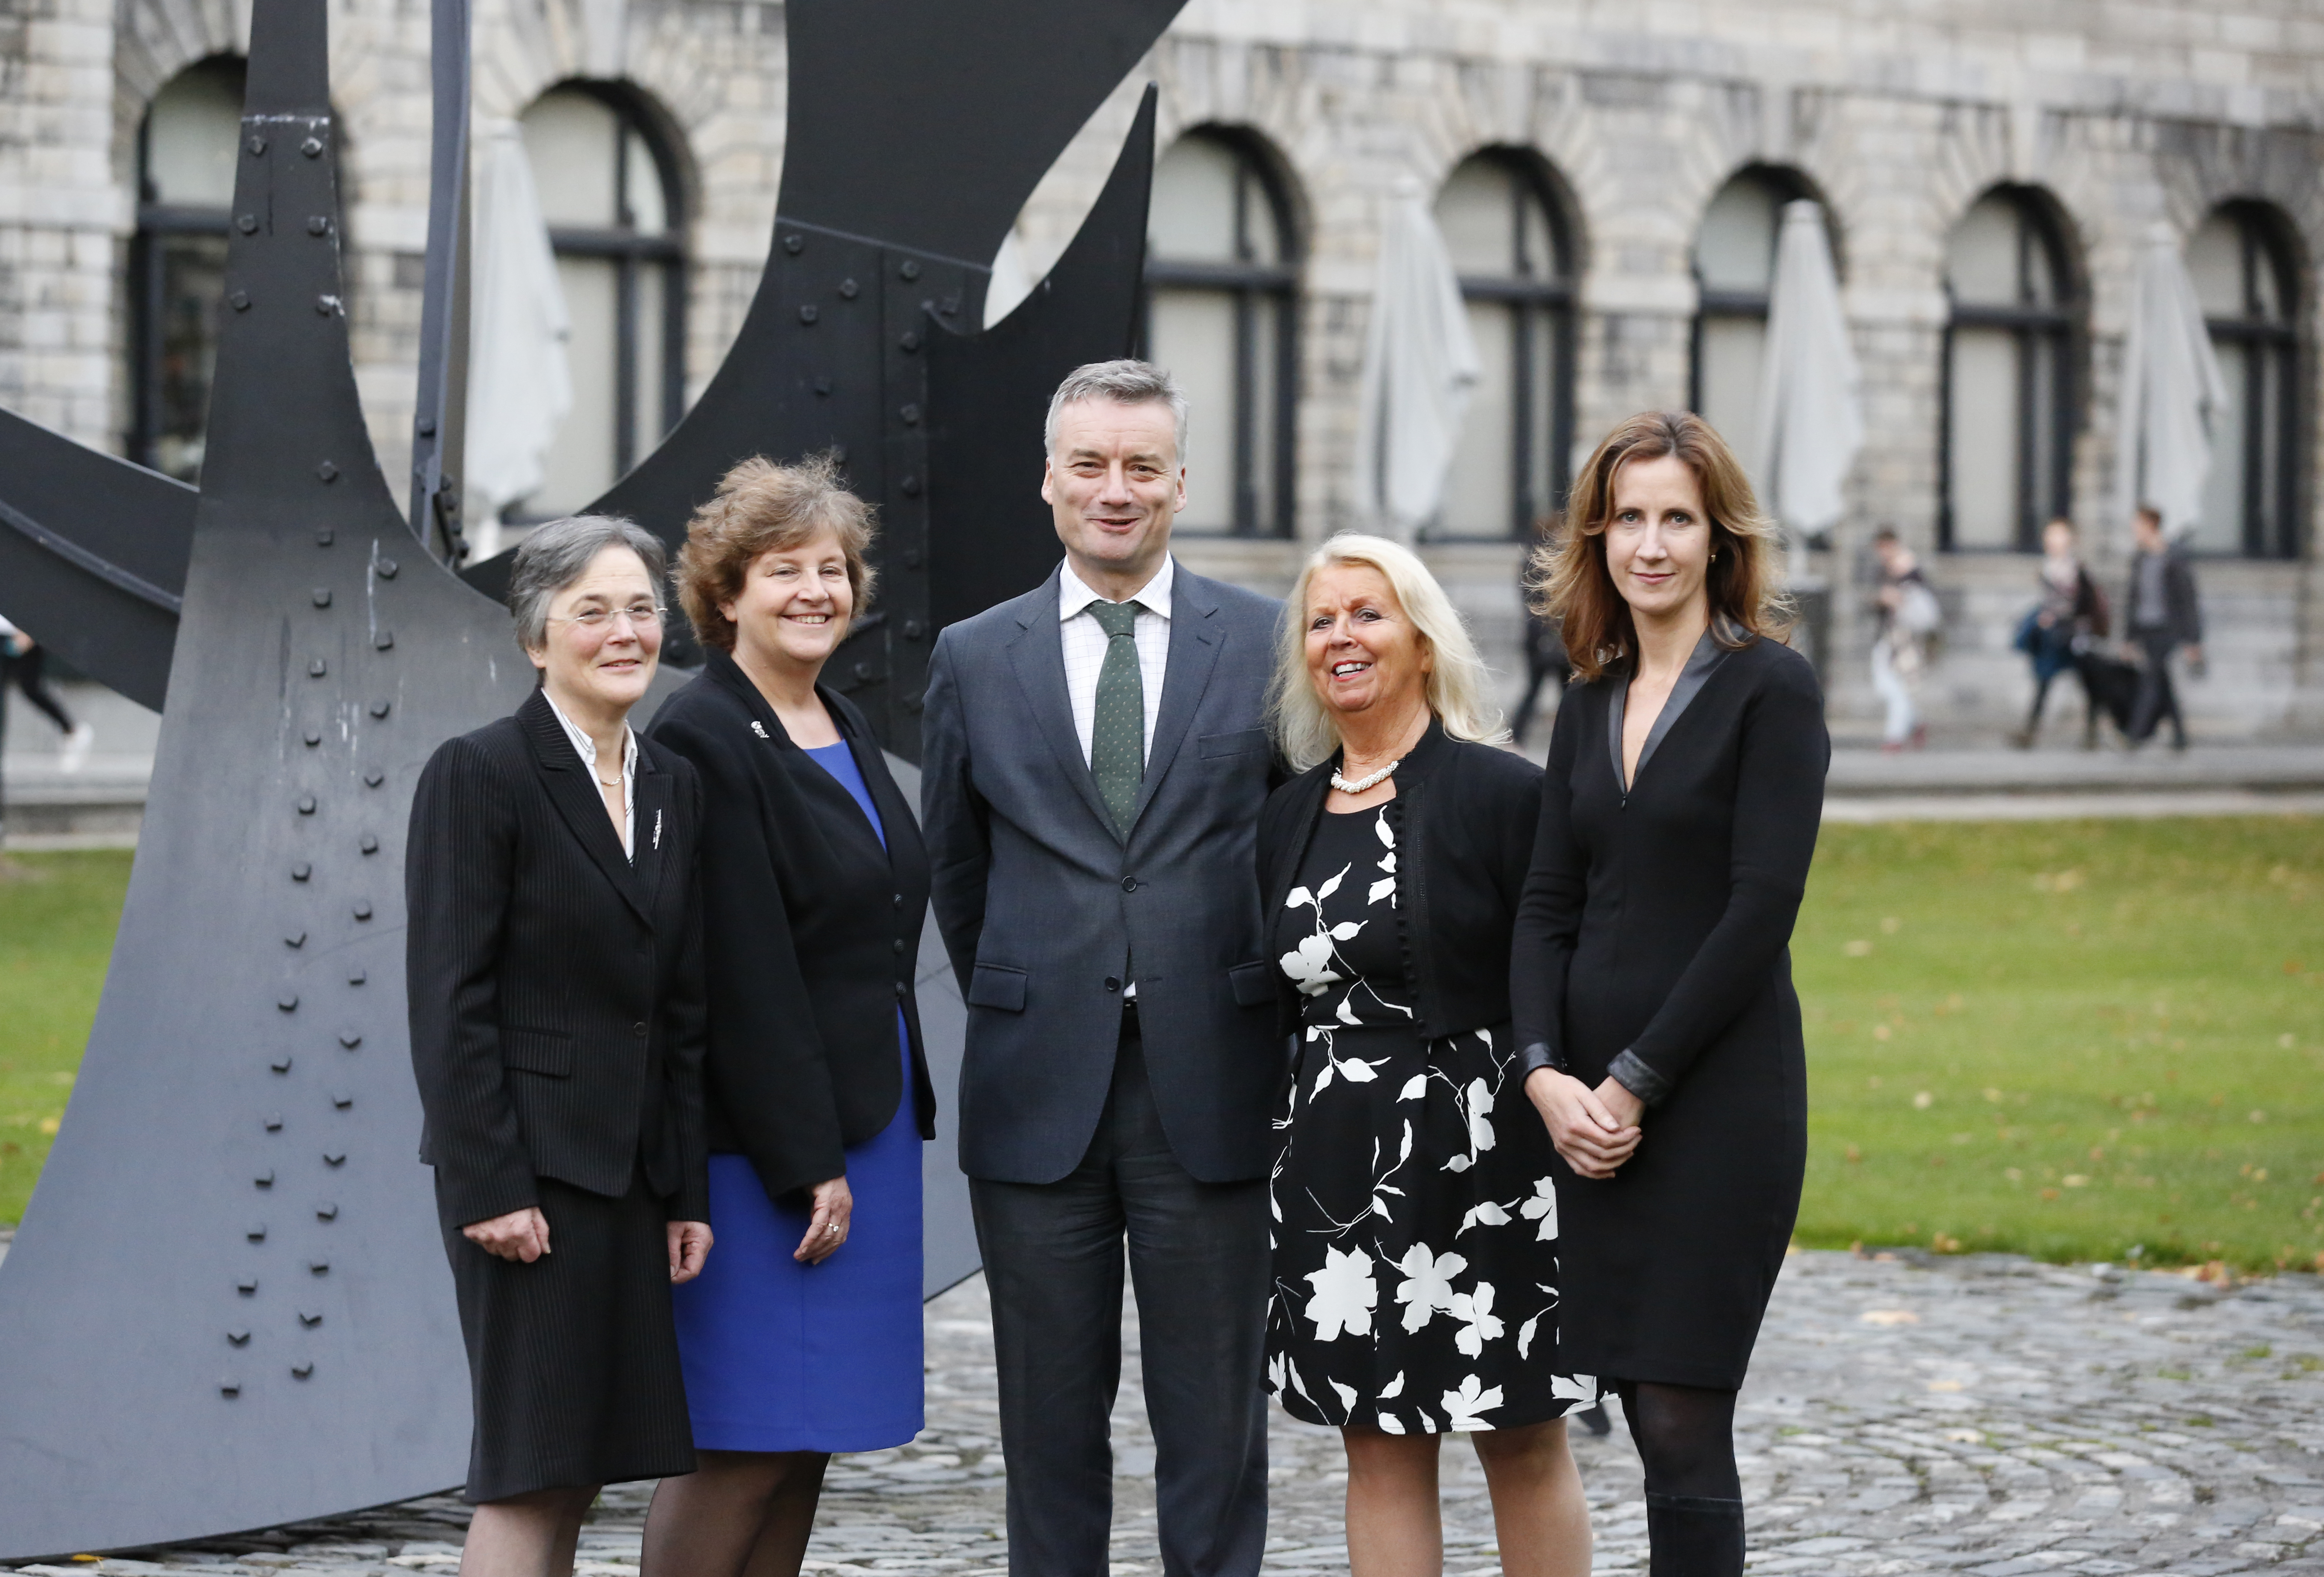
{"type": "Point", "coordinates": [587, 749]}
{"type": "Point", "coordinates": [1084, 644]}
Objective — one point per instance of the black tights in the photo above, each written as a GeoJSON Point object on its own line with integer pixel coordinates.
{"type": "Point", "coordinates": [1685, 1436]}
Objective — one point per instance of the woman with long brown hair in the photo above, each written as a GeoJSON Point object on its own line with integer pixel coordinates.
{"type": "Point", "coordinates": [1650, 983]}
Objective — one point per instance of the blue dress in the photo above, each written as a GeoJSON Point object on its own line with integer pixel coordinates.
{"type": "Point", "coordinates": [781, 1355]}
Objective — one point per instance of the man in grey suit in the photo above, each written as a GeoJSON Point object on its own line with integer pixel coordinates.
{"type": "Point", "coordinates": [1095, 753]}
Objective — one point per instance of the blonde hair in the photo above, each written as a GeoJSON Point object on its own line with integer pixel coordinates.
{"type": "Point", "coordinates": [1458, 678]}
{"type": "Point", "coordinates": [1568, 576]}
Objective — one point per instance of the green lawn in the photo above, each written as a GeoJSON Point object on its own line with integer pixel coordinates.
{"type": "Point", "coordinates": [57, 914]}
{"type": "Point", "coordinates": [2078, 1040]}
{"type": "Point", "coordinates": [2067, 1039]}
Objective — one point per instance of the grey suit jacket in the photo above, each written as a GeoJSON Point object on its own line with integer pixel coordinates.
{"type": "Point", "coordinates": [1047, 912]}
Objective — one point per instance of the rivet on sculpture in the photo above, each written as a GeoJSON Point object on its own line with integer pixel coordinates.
{"type": "Point", "coordinates": [227, 1307]}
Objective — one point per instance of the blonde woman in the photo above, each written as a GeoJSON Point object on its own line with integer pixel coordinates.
{"type": "Point", "coordinates": [1659, 1034]}
{"type": "Point", "coordinates": [1415, 1268]}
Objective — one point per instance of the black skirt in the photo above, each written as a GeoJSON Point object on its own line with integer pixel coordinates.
{"type": "Point", "coordinates": [573, 1358]}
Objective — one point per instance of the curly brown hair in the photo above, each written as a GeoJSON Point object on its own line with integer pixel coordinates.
{"type": "Point", "coordinates": [1569, 578]}
{"type": "Point", "coordinates": [761, 507]}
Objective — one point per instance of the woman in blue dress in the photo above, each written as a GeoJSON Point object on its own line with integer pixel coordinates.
{"type": "Point", "coordinates": [805, 1337]}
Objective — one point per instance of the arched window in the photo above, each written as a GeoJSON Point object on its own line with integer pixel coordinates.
{"type": "Point", "coordinates": [609, 192]}
{"type": "Point", "coordinates": [177, 263]}
{"type": "Point", "coordinates": [2009, 414]}
{"type": "Point", "coordinates": [1735, 275]}
{"type": "Point", "coordinates": [2245, 277]}
{"type": "Point", "coordinates": [1508, 243]}
{"type": "Point", "coordinates": [1221, 276]}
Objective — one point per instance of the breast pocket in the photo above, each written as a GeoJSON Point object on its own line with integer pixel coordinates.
{"type": "Point", "coordinates": [1241, 742]}
{"type": "Point", "coordinates": [538, 1051]}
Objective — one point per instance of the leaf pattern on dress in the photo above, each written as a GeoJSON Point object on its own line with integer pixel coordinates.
{"type": "Point", "coordinates": [1428, 1287]}
{"type": "Point", "coordinates": [1345, 1295]}
{"type": "Point", "coordinates": [1400, 1174]}
{"type": "Point", "coordinates": [1465, 1407]}
{"type": "Point", "coordinates": [1543, 1207]}
{"type": "Point", "coordinates": [1478, 1323]}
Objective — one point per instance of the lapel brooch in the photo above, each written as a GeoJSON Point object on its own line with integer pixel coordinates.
{"type": "Point", "coordinates": [657, 829]}
{"type": "Point", "coordinates": [757, 728]}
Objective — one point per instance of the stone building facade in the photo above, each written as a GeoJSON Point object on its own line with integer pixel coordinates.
{"type": "Point", "coordinates": [2099, 119]}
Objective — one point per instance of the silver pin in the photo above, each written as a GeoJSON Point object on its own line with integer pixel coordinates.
{"type": "Point", "coordinates": [658, 820]}
{"type": "Point", "coordinates": [759, 728]}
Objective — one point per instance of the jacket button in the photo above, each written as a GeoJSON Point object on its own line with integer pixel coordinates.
{"type": "Point", "coordinates": [899, 991]}
{"type": "Point", "coordinates": [900, 900]}
{"type": "Point", "coordinates": [1129, 884]}
{"type": "Point", "coordinates": [1112, 983]}
{"type": "Point", "coordinates": [639, 1030]}
{"type": "Point", "coordinates": [900, 944]}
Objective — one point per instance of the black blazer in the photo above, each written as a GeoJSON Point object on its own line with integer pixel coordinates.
{"type": "Point", "coordinates": [1655, 926]}
{"type": "Point", "coordinates": [555, 987]}
{"type": "Point", "coordinates": [1465, 816]}
{"type": "Point", "coordinates": [812, 933]}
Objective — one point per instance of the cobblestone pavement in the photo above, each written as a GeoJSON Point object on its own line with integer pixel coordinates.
{"type": "Point", "coordinates": [1982, 1414]}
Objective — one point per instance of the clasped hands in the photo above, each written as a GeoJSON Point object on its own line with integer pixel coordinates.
{"type": "Point", "coordinates": [523, 1236]}
{"type": "Point", "coordinates": [1596, 1131]}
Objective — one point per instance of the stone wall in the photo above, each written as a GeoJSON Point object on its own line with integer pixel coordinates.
{"type": "Point", "coordinates": [2125, 111]}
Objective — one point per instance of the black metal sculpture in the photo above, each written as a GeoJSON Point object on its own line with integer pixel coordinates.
{"type": "Point", "coordinates": [227, 1307]}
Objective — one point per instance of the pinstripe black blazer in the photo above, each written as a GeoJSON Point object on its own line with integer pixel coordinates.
{"type": "Point", "coordinates": [554, 986]}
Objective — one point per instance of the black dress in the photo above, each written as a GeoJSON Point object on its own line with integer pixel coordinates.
{"type": "Point", "coordinates": [1651, 943]}
{"type": "Point", "coordinates": [1414, 1279]}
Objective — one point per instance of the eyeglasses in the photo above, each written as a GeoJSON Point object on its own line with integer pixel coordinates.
{"type": "Point", "coordinates": [640, 616]}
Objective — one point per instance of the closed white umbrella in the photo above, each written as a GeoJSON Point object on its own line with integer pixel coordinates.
{"type": "Point", "coordinates": [519, 381]}
{"type": "Point", "coordinates": [1420, 366]}
{"type": "Point", "coordinates": [2171, 392]}
{"type": "Point", "coordinates": [1811, 391]}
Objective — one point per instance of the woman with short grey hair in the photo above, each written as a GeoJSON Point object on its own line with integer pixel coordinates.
{"type": "Point", "coordinates": [554, 969]}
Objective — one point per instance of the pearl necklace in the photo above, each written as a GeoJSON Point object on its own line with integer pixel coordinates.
{"type": "Point", "coordinates": [1358, 785]}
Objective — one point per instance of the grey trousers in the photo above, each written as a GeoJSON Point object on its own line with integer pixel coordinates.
{"type": "Point", "coordinates": [1198, 1259]}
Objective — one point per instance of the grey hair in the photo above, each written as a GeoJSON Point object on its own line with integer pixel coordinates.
{"type": "Point", "coordinates": [1458, 679]}
{"type": "Point", "coordinates": [552, 557]}
{"type": "Point", "coordinates": [1125, 382]}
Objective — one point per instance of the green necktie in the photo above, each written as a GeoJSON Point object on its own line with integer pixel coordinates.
{"type": "Point", "coordinates": [1117, 726]}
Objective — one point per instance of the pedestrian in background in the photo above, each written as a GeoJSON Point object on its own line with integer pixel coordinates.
{"type": "Point", "coordinates": [24, 664]}
{"type": "Point", "coordinates": [2071, 617]}
{"type": "Point", "coordinates": [1546, 666]}
{"type": "Point", "coordinates": [1908, 621]}
{"type": "Point", "coordinates": [1095, 754]}
{"type": "Point", "coordinates": [803, 1337]}
{"type": "Point", "coordinates": [554, 957]}
{"type": "Point", "coordinates": [1416, 1250]}
{"type": "Point", "coordinates": [2165, 614]}
{"type": "Point", "coordinates": [1650, 980]}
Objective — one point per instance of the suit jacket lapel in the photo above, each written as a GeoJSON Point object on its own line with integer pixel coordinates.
{"type": "Point", "coordinates": [1194, 643]}
{"type": "Point", "coordinates": [574, 795]}
{"type": "Point", "coordinates": [1038, 656]}
{"type": "Point", "coordinates": [654, 801]}
{"type": "Point", "coordinates": [896, 818]}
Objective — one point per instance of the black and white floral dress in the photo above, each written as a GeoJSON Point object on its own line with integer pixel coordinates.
{"type": "Point", "coordinates": [1415, 1215]}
